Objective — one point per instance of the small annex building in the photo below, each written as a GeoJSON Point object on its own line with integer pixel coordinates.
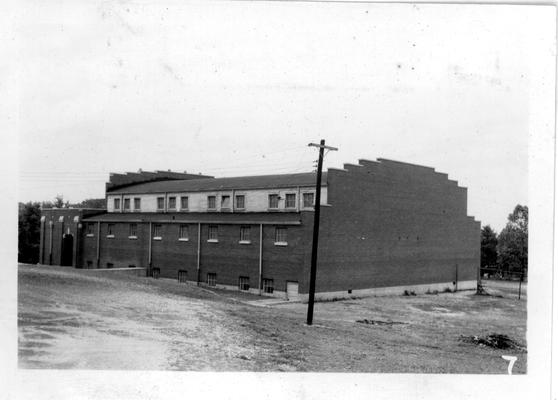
{"type": "Point", "coordinates": [385, 227]}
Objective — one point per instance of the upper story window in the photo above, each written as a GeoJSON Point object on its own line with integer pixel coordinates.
{"type": "Point", "coordinates": [225, 201]}
{"type": "Point", "coordinates": [160, 203]}
{"type": "Point", "coordinates": [290, 200]}
{"type": "Point", "coordinates": [126, 204]}
{"type": "Point", "coordinates": [273, 201]}
{"type": "Point", "coordinates": [183, 232]}
{"type": "Point", "coordinates": [245, 234]}
{"type": "Point", "coordinates": [239, 202]}
{"type": "Point", "coordinates": [157, 231]}
{"type": "Point", "coordinates": [213, 233]}
{"type": "Point", "coordinates": [308, 200]}
{"type": "Point", "coordinates": [172, 203]}
{"type": "Point", "coordinates": [133, 231]}
{"type": "Point", "coordinates": [280, 236]}
{"type": "Point", "coordinates": [117, 204]}
{"type": "Point", "coordinates": [137, 203]}
{"type": "Point", "coordinates": [184, 203]}
{"type": "Point", "coordinates": [110, 230]}
{"type": "Point", "coordinates": [211, 202]}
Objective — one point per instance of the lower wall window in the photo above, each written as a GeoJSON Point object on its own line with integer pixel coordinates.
{"type": "Point", "coordinates": [89, 264]}
{"type": "Point", "coordinates": [268, 285]}
{"type": "Point", "coordinates": [155, 272]}
{"type": "Point", "coordinates": [244, 283]}
{"type": "Point", "coordinates": [110, 265]}
{"type": "Point", "coordinates": [211, 279]}
{"type": "Point", "coordinates": [182, 276]}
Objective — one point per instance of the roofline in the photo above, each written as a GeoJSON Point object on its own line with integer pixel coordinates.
{"type": "Point", "coordinates": [116, 191]}
{"type": "Point", "coordinates": [196, 221]}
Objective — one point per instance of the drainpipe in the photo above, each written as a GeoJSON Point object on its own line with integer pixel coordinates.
{"type": "Point", "coordinates": [51, 224]}
{"type": "Point", "coordinates": [199, 252]}
{"type": "Point", "coordinates": [76, 241]}
{"type": "Point", "coordinates": [61, 239]}
{"type": "Point", "coordinates": [42, 248]}
{"type": "Point", "coordinates": [98, 244]}
{"type": "Point", "coordinates": [150, 248]}
{"type": "Point", "coordinates": [261, 252]}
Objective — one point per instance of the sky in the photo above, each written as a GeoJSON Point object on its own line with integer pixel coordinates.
{"type": "Point", "coordinates": [241, 88]}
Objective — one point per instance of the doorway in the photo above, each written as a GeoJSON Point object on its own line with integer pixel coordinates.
{"type": "Point", "coordinates": [67, 250]}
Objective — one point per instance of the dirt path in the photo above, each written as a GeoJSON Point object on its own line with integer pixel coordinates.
{"type": "Point", "coordinates": [68, 319]}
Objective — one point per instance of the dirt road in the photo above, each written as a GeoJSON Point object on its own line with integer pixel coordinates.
{"type": "Point", "coordinates": [69, 319]}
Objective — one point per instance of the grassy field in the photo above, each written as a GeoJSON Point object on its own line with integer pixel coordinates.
{"type": "Point", "coordinates": [68, 318]}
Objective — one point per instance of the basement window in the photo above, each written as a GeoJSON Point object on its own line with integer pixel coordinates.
{"type": "Point", "coordinates": [156, 272]}
{"type": "Point", "coordinates": [89, 264]}
{"type": "Point", "coordinates": [110, 265]}
{"type": "Point", "coordinates": [244, 283]}
{"type": "Point", "coordinates": [211, 279]}
{"type": "Point", "coordinates": [182, 276]}
{"type": "Point", "coordinates": [280, 236]}
{"type": "Point", "coordinates": [268, 285]}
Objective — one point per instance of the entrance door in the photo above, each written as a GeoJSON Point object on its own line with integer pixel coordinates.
{"type": "Point", "coordinates": [292, 290]}
{"type": "Point", "coordinates": [67, 250]}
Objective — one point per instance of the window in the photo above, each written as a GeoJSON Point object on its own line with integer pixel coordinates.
{"type": "Point", "coordinates": [127, 204]}
{"type": "Point", "coordinates": [89, 264]}
{"type": "Point", "coordinates": [211, 279]}
{"type": "Point", "coordinates": [131, 266]}
{"type": "Point", "coordinates": [290, 200]}
{"type": "Point", "coordinates": [239, 202]}
{"type": "Point", "coordinates": [244, 234]}
{"type": "Point", "coordinates": [183, 232]}
{"type": "Point", "coordinates": [133, 234]}
{"type": "Point", "coordinates": [182, 276]}
{"type": "Point", "coordinates": [213, 233]}
{"type": "Point", "coordinates": [160, 203]}
{"type": "Point", "coordinates": [211, 202]}
{"type": "Point", "coordinates": [157, 231]}
{"type": "Point", "coordinates": [117, 204]}
{"type": "Point", "coordinates": [184, 203]}
{"type": "Point", "coordinates": [172, 203]}
{"type": "Point", "coordinates": [308, 199]}
{"type": "Point", "coordinates": [156, 272]}
{"type": "Point", "coordinates": [137, 203]}
{"type": "Point", "coordinates": [110, 230]}
{"type": "Point", "coordinates": [268, 285]}
{"type": "Point", "coordinates": [273, 201]}
{"type": "Point", "coordinates": [110, 265]}
{"type": "Point", "coordinates": [89, 229]}
{"type": "Point", "coordinates": [280, 236]}
{"type": "Point", "coordinates": [244, 283]}
{"type": "Point", "coordinates": [225, 201]}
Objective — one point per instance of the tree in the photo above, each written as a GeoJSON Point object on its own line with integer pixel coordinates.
{"type": "Point", "coordinates": [29, 232]}
{"type": "Point", "coordinates": [91, 203]}
{"type": "Point", "coordinates": [489, 242]}
{"type": "Point", "coordinates": [59, 202]}
{"type": "Point", "coordinates": [513, 241]}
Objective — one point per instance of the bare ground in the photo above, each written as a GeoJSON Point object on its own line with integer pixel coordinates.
{"type": "Point", "coordinates": [70, 319]}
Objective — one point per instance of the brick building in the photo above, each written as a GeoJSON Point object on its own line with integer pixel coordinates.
{"type": "Point", "coordinates": [385, 227]}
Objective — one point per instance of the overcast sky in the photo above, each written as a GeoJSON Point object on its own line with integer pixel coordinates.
{"type": "Point", "coordinates": [237, 88]}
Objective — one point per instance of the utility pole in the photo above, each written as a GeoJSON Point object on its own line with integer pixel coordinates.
{"type": "Point", "coordinates": [312, 291]}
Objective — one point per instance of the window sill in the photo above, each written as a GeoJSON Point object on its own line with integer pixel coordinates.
{"type": "Point", "coordinates": [183, 239]}
{"type": "Point", "coordinates": [245, 242]}
{"type": "Point", "coordinates": [280, 243]}
{"type": "Point", "coordinates": [212, 240]}
{"type": "Point", "coordinates": [157, 238]}
{"type": "Point", "coordinates": [132, 237]}
{"type": "Point", "coordinates": [90, 235]}
{"type": "Point", "coordinates": [110, 236]}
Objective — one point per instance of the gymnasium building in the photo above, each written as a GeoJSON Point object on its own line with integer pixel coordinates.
{"type": "Point", "coordinates": [385, 227]}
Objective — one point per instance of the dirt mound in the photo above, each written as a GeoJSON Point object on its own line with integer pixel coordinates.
{"type": "Point", "coordinates": [494, 340]}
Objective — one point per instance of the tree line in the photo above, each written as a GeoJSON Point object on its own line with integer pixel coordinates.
{"type": "Point", "coordinates": [505, 254]}
{"type": "Point", "coordinates": [29, 224]}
